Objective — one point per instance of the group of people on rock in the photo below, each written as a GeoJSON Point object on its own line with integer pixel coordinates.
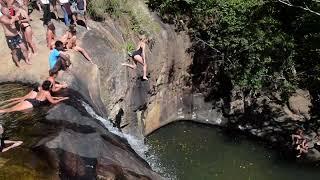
{"type": "Point", "coordinates": [73, 10]}
{"type": "Point", "coordinates": [15, 21]}
{"type": "Point", "coordinates": [303, 142]}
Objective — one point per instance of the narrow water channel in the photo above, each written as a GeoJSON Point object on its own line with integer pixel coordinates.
{"type": "Point", "coordinates": [22, 162]}
{"type": "Point", "coordinates": [188, 151]}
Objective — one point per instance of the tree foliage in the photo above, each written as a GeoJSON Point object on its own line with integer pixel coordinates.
{"type": "Point", "coordinates": [258, 44]}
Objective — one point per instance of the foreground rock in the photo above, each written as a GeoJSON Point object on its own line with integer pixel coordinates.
{"type": "Point", "coordinates": [82, 148]}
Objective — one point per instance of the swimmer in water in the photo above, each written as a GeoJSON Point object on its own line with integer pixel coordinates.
{"type": "Point", "coordinates": [43, 96]}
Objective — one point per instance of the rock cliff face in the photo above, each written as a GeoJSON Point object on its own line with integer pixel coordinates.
{"type": "Point", "coordinates": [146, 105]}
{"type": "Point", "coordinates": [80, 147]}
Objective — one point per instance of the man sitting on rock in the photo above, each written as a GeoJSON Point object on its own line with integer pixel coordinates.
{"type": "Point", "coordinates": [14, 40]}
{"type": "Point", "coordinates": [62, 64]}
{"type": "Point", "coordinates": [56, 54]}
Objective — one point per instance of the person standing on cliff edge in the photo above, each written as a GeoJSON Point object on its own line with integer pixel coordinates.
{"type": "Point", "coordinates": [13, 38]}
{"type": "Point", "coordinates": [139, 56]}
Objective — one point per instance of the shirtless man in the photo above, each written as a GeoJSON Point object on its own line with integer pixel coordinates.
{"type": "Point", "coordinates": [14, 40]}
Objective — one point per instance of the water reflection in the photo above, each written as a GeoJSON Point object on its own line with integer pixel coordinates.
{"type": "Point", "coordinates": [193, 151]}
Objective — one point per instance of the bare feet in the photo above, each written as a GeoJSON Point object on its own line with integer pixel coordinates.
{"type": "Point", "coordinates": [28, 62]}
{"type": "Point", "coordinates": [145, 78]}
{"type": "Point", "coordinates": [17, 64]}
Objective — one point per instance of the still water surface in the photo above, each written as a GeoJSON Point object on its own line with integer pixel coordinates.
{"type": "Point", "coordinates": [188, 151]}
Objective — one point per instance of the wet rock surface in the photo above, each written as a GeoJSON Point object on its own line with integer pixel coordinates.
{"type": "Point", "coordinates": [267, 117]}
{"type": "Point", "coordinates": [82, 148]}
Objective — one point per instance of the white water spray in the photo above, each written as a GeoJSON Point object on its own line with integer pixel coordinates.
{"type": "Point", "coordinates": [137, 145]}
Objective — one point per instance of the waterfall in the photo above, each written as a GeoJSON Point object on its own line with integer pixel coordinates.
{"type": "Point", "coordinates": [136, 144]}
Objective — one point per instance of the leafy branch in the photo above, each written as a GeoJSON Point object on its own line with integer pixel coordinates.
{"type": "Point", "coordinates": [305, 8]}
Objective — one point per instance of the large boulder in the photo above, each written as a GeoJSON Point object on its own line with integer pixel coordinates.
{"type": "Point", "coordinates": [300, 103]}
{"type": "Point", "coordinates": [82, 148]}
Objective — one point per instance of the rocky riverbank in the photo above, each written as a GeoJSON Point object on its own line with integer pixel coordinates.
{"type": "Point", "coordinates": [141, 107]}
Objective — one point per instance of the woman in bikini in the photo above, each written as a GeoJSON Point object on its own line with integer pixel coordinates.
{"type": "Point", "coordinates": [51, 35]}
{"type": "Point", "coordinates": [43, 96]}
{"type": "Point", "coordinates": [139, 56]}
{"type": "Point", "coordinates": [69, 39]}
{"type": "Point", "coordinates": [33, 93]}
{"type": "Point", "coordinates": [25, 27]}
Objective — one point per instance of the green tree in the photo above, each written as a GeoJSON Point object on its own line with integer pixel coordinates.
{"type": "Point", "coordinates": [259, 45]}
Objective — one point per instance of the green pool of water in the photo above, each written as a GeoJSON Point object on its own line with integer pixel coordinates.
{"type": "Point", "coordinates": [22, 162]}
{"type": "Point", "coordinates": [188, 151]}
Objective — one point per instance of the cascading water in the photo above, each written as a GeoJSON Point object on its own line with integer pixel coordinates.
{"type": "Point", "coordinates": [137, 145]}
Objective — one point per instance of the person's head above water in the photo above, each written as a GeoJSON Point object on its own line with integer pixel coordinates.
{"type": "Point", "coordinates": [47, 85]}
{"type": "Point", "coordinates": [59, 45]}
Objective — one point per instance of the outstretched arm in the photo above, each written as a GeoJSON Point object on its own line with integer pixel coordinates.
{"type": "Point", "coordinates": [6, 21]}
{"type": "Point", "coordinates": [58, 87]}
{"type": "Point", "coordinates": [55, 101]}
{"type": "Point", "coordinates": [143, 54]}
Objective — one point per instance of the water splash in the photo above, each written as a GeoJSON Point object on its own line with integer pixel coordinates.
{"type": "Point", "coordinates": [137, 145]}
